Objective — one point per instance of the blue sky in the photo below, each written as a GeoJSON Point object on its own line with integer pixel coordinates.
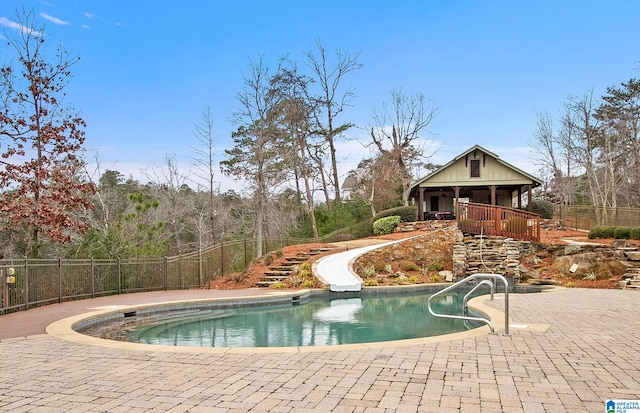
{"type": "Point", "coordinates": [149, 69]}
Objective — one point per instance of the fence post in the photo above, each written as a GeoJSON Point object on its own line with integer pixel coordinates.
{"type": "Point", "coordinates": [180, 272]}
{"type": "Point", "coordinates": [93, 278]}
{"type": "Point", "coordinates": [119, 276]}
{"type": "Point", "coordinates": [221, 258]}
{"type": "Point", "coordinates": [200, 265]}
{"type": "Point", "coordinates": [245, 253]}
{"type": "Point", "coordinates": [60, 279]}
{"type": "Point", "coordinates": [165, 269]}
{"type": "Point", "coordinates": [26, 288]}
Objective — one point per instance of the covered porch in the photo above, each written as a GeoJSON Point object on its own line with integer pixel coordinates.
{"type": "Point", "coordinates": [437, 199]}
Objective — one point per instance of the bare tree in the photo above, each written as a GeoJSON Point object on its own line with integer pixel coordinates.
{"type": "Point", "coordinates": [170, 185]}
{"type": "Point", "coordinates": [554, 150]}
{"type": "Point", "coordinates": [595, 150]}
{"type": "Point", "coordinates": [332, 99]}
{"type": "Point", "coordinates": [204, 154]}
{"type": "Point", "coordinates": [41, 169]}
{"type": "Point", "coordinates": [398, 130]}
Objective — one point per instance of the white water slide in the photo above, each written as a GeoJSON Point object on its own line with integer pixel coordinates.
{"type": "Point", "coordinates": [336, 270]}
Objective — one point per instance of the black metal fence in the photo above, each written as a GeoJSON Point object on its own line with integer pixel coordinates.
{"type": "Point", "coordinates": [587, 217]}
{"type": "Point", "coordinates": [28, 283]}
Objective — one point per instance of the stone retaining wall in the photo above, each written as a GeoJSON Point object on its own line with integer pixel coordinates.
{"type": "Point", "coordinates": [484, 254]}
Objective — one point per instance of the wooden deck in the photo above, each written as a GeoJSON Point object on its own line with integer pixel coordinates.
{"type": "Point", "coordinates": [498, 221]}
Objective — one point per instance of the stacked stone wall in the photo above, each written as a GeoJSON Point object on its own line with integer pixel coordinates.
{"type": "Point", "coordinates": [486, 254]}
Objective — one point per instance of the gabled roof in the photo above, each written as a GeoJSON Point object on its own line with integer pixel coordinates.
{"type": "Point", "coordinates": [534, 180]}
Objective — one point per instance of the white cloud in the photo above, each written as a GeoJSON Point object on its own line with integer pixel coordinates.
{"type": "Point", "coordinates": [53, 20]}
{"type": "Point", "coordinates": [13, 25]}
{"type": "Point", "coordinates": [84, 26]}
{"type": "Point", "coordinates": [89, 15]}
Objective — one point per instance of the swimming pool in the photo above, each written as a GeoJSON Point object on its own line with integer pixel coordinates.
{"type": "Point", "coordinates": [298, 321]}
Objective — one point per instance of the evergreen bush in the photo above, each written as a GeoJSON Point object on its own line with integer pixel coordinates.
{"type": "Point", "coordinates": [595, 232]}
{"type": "Point", "coordinates": [608, 232]}
{"type": "Point", "coordinates": [622, 233]}
{"type": "Point", "coordinates": [635, 233]}
{"type": "Point", "coordinates": [385, 225]}
{"type": "Point", "coordinates": [543, 208]}
{"type": "Point", "coordinates": [406, 214]}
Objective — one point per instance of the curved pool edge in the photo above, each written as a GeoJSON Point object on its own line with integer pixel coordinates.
{"type": "Point", "coordinates": [64, 329]}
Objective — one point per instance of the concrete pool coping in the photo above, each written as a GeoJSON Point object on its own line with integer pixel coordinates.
{"type": "Point", "coordinates": [65, 329]}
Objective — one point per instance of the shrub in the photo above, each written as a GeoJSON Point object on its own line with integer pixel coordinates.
{"type": "Point", "coordinates": [622, 233]}
{"type": "Point", "coordinates": [371, 283]}
{"type": "Point", "coordinates": [608, 232]}
{"type": "Point", "coordinates": [385, 225]}
{"type": "Point", "coordinates": [295, 281]}
{"type": "Point", "coordinates": [409, 266]}
{"type": "Point", "coordinates": [305, 266]}
{"type": "Point", "coordinates": [406, 214]}
{"type": "Point", "coordinates": [544, 208]}
{"type": "Point", "coordinates": [435, 266]}
{"type": "Point", "coordinates": [436, 279]}
{"type": "Point", "coordinates": [595, 232]}
{"type": "Point", "coordinates": [570, 284]}
{"type": "Point", "coordinates": [634, 233]}
{"type": "Point", "coordinates": [278, 285]}
{"type": "Point", "coordinates": [379, 266]}
{"type": "Point", "coordinates": [304, 271]}
{"type": "Point", "coordinates": [268, 259]}
{"type": "Point", "coordinates": [414, 279]}
{"type": "Point", "coordinates": [308, 284]}
{"type": "Point", "coordinates": [368, 271]}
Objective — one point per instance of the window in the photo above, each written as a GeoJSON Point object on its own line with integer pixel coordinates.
{"type": "Point", "coordinates": [475, 168]}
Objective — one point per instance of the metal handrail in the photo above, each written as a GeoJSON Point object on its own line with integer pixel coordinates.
{"type": "Point", "coordinates": [486, 280]}
{"type": "Point", "coordinates": [465, 307]}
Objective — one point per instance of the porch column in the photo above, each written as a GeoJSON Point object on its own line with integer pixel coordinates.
{"type": "Point", "coordinates": [493, 194]}
{"type": "Point", "coordinates": [420, 204]}
{"type": "Point", "coordinates": [456, 197]}
{"type": "Point", "coordinates": [529, 206]}
{"type": "Point", "coordinates": [519, 197]}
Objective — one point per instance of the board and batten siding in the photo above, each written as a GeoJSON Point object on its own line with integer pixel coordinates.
{"type": "Point", "coordinates": [492, 172]}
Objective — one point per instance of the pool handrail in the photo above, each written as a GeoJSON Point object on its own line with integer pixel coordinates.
{"type": "Point", "coordinates": [486, 278]}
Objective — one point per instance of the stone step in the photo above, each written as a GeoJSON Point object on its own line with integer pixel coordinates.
{"type": "Point", "coordinates": [282, 268]}
{"type": "Point", "coordinates": [284, 274]}
{"type": "Point", "coordinates": [319, 250]}
{"type": "Point", "coordinates": [275, 278]}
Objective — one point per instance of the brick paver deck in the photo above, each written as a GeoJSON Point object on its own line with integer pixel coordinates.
{"type": "Point", "coordinates": [589, 353]}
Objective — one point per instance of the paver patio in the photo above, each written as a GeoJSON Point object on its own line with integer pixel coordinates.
{"type": "Point", "coordinates": [589, 353]}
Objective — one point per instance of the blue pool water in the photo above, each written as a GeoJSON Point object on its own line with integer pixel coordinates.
{"type": "Point", "coordinates": [315, 323]}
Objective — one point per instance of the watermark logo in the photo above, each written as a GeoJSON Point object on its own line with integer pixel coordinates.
{"type": "Point", "coordinates": [623, 406]}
